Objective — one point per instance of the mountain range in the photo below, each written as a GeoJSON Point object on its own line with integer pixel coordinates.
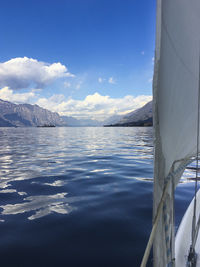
{"type": "Point", "coordinates": [26, 115]}
{"type": "Point", "coordinates": [139, 117]}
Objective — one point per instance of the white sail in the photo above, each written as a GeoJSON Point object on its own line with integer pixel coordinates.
{"type": "Point", "coordinates": [176, 85]}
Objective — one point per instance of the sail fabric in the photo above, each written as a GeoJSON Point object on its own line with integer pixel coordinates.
{"type": "Point", "coordinates": [175, 90]}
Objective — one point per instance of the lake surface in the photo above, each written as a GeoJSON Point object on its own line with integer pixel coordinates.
{"type": "Point", "coordinates": [77, 196]}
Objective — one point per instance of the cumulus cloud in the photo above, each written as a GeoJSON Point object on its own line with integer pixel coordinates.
{"type": "Point", "coordinates": [93, 106]}
{"type": "Point", "coordinates": [8, 95]}
{"type": "Point", "coordinates": [19, 73]}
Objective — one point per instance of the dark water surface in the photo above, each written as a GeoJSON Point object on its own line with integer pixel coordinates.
{"type": "Point", "coordinates": [77, 196]}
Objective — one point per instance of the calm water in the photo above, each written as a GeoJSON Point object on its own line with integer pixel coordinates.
{"type": "Point", "coordinates": [77, 196]}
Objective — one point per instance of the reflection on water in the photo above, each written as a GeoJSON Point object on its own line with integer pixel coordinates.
{"type": "Point", "coordinates": [74, 191]}
{"type": "Point", "coordinates": [56, 157]}
{"type": "Point", "coordinates": [77, 196]}
{"type": "Point", "coordinates": [42, 205]}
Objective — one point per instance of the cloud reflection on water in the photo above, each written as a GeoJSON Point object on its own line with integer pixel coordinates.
{"type": "Point", "coordinates": [41, 205]}
{"type": "Point", "coordinates": [33, 165]}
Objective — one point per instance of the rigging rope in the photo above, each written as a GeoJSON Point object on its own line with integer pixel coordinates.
{"type": "Point", "coordinates": [197, 167]}
{"type": "Point", "coordinates": [176, 172]}
{"type": "Point", "coordinates": [195, 226]}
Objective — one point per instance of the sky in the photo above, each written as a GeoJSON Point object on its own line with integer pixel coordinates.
{"type": "Point", "coordinates": [80, 58]}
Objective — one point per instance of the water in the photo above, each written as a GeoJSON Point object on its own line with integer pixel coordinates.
{"type": "Point", "coordinates": [77, 196]}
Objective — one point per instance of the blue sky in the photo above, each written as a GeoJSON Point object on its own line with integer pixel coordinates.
{"type": "Point", "coordinates": [106, 48]}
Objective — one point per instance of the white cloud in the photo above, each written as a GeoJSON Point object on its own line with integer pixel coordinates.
{"type": "Point", "coordinates": [8, 95]}
{"type": "Point", "coordinates": [100, 80]}
{"type": "Point", "coordinates": [93, 106]}
{"type": "Point", "coordinates": [111, 80]}
{"type": "Point", "coordinates": [19, 73]}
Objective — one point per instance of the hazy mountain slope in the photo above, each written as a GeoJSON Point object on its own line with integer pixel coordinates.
{"type": "Point", "coordinates": [138, 117]}
{"type": "Point", "coordinates": [113, 119]}
{"type": "Point", "coordinates": [70, 121]}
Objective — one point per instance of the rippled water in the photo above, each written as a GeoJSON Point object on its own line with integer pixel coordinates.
{"type": "Point", "coordinates": [77, 196]}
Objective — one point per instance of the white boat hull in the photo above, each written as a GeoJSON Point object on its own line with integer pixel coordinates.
{"type": "Point", "coordinates": [183, 236]}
